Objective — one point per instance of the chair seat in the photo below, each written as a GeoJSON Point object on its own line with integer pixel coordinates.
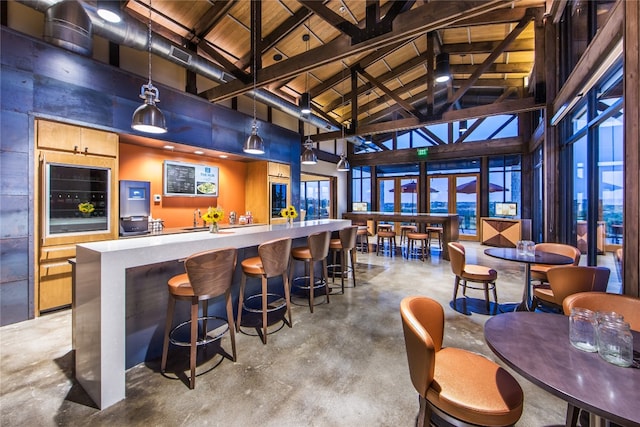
{"type": "Point", "coordinates": [479, 273]}
{"type": "Point", "coordinates": [544, 293]}
{"type": "Point", "coordinates": [417, 236]}
{"type": "Point", "coordinates": [335, 244]}
{"type": "Point", "coordinates": [455, 389]}
{"type": "Point", "coordinates": [252, 266]}
{"type": "Point", "coordinates": [386, 234]}
{"type": "Point", "coordinates": [180, 286]}
{"type": "Point", "coordinates": [302, 253]}
{"type": "Point", "coordinates": [541, 268]}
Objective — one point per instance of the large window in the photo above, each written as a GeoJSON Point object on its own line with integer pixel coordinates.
{"type": "Point", "coordinates": [361, 187]}
{"type": "Point", "coordinates": [505, 174]}
{"type": "Point", "coordinates": [315, 195]}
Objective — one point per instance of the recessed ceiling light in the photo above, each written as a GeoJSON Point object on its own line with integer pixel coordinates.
{"type": "Point", "coordinates": [198, 152]}
{"type": "Point", "coordinates": [223, 156]}
{"type": "Point", "coordinates": [169, 147]}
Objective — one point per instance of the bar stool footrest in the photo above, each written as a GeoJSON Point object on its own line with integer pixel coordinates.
{"type": "Point", "coordinates": [222, 327]}
{"type": "Point", "coordinates": [274, 302]}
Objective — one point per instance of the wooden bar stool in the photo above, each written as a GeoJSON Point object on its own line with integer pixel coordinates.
{"type": "Point", "coordinates": [272, 261]}
{"type": "Point", "coordinates": [385, 227]}
{"type": "Point", "coordinates": [208, 275]}
{"type": "Point", "coordinates": [363, 239]}
{"type": "Point", "coordinates": [317, 249]}
{"type": "Point", "coordinates": [431, 230]}
{"type": "Point", "coordinates": [390, 238]}
{"type": "Point", "coordinates": [345, 246]}
{"type": "Point", "coordinates": [404, 229]}
{"type": "Point", "coordinates": [412, 238]}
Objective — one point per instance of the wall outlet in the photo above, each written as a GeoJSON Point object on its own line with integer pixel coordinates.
{"type": "Point", "coordinates": [157, 198]}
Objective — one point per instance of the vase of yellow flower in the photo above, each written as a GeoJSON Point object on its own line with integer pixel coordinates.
{"type": "Point", "coordinates": [289, 213]}
{"type": "Point", "coordinates": [86, 208]}
{"type": "Point", "coordinates": [212, 216]}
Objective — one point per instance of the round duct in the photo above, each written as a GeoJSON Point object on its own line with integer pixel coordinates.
{"type": "Point", "coordinates": [68, 26]}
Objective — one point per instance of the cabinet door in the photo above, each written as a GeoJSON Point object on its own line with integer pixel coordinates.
{"type": "Point", "coordinates": [279, 169]}
{"type": "Point", "coordinates": [54, 284]}
{"type": "Point", "coordinates": [76, 139]}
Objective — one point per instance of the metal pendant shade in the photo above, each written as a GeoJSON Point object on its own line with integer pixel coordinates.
{"type": "Point", "coordinates": [147, 117]}
{"type": "Point", "coordinates": [254, 143]}
{"type": "Point", "coordinates": [308, 157]}
{"type": "Point", "coordinates": [305, 103]}
{"type": "Point", "coordinates": [443, 71]}
{"type": "Point", "coordinates": [343, 164]}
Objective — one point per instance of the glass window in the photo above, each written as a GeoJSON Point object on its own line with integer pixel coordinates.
{"type": "Point", "coordinates": [505, 186]}
{"type": "Point", "coordinates": [404, 140]}
{"type": "Point", "coordinates": [361, 185]}
{"type": "Point", "coordinates": [500, 126]}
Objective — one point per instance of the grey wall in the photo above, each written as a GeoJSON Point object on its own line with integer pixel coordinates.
{"type": "Point", "coordinates": [40, 80]}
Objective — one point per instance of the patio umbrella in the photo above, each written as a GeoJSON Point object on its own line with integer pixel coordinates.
{"type": "Point", "coordinates": [470, 187]}
{"type": "Point", "coordinates": [412, 187]}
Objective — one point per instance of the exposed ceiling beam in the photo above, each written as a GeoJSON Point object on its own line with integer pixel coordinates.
{"type": "Point", "coordinates": [407, 25]}
{"type": "Point", "coordinates": [524, 45]}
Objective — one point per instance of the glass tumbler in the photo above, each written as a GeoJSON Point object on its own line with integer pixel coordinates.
{"type": "Point", "coordinates": [615, 342]}
{"type": "Point", "coordinates": [582, 329]}
{"type": "Point", "coordinates": [520, 246]}
{"type": "Point", "coordinates": [529, 247]}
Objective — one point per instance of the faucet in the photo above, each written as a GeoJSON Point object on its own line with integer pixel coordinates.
{"type": "Point", "coordinates": [195, 218]}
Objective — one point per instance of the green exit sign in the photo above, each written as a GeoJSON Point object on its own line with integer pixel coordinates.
{"type": "Point", "coordinates": [422, 152]}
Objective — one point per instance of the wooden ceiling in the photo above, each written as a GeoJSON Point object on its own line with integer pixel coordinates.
{"type": "Point", "coordinates": [376, 56]}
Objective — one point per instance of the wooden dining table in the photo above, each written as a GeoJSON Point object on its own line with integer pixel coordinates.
{"type": "Point", "coordinates": [536, 346]}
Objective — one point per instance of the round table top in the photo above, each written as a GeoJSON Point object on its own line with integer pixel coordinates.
{"type": "Point", "coordinates": [536, 345]}
{"type": "Point", "coordinates": [539, 257]}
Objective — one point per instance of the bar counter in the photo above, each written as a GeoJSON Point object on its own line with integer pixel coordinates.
{"type": "Point", "coordinates": [120, 280]}
{"type": "Point", "coordinates": [450, 232]}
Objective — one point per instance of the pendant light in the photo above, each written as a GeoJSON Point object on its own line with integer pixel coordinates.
{"type": "Point", "coordinates": [343, 164]}
{"type": "Point", "coordinates": [305, 98]}
{"type": "Point", "coordinates": [147, 117]}
{"type": "Point", "coordinates": [254, 143]}
{"type": "Point", "coordinates": [443, 72]}
{"type": "Point", "coordinates": [308, 157]}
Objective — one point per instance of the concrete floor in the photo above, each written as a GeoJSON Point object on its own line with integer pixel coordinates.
{"type": "Point", "coordinates": [343, 365]}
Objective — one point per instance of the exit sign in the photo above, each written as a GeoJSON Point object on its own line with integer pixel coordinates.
{"type": "Point", "coordinates": [422, 152]}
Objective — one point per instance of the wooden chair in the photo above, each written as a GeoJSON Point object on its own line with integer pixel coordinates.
{"type": "Point", "coordinates": [471, 273]}
{"type": "Point", "coordinates": [461, 387]}
{"type": "Point", "coordinates": [568, 280]}
{"type": "Point", "coordinates": [539, 271]}
{"type": "Point", "coordinates": [272, 261]}
{"type": "Point", "coordinates": [626, 305]}
{"type": "Point", "coordinates": [345, 245]}
{"type": "Point", "coordinates": [208, 275]}
{"type": "Point", "coordinates": [316, 250]}
{"type": "Point", "coordinates": [412, 238]}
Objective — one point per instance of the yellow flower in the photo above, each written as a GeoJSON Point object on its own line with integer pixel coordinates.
{"type": "Point", "coordinates": [213, 214]}
{"type": "Point", "coordinates": [86, 207]}
{"type": "Point", "coordinates": [284, 213]}
{"type": "Point", "coordinates": [292, 212]}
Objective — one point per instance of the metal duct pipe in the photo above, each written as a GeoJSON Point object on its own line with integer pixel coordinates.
{"type": "Point", "coordinates": [134, 35]}
{"type": "Point", "coordinates": [67, 25]}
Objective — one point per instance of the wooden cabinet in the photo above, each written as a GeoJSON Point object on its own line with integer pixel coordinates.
{"type": "Point", "coordinates": [280, 170]}
{"type": "Point", "coordinates": [75, 139]}
{"type": "Point", "coordinates": [504, 232]}
{"type": "Point", "coordinates": [261, 187]}
{"type": "Point", "coordinates": [88, 153]}
{"type": "Point", "coordinates": [55, 276]}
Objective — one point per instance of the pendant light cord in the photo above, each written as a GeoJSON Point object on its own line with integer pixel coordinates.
{"type": "Point", "coordinates": [254, 71]}
{"type": "Point", "coordinates": [149, 41]}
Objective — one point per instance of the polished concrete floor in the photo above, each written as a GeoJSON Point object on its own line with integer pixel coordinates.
{"type": "Point", "coordinates": [343, 365]}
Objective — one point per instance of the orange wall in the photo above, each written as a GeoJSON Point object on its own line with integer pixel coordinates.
{"type": "Point", "coordinates": [145, 164]}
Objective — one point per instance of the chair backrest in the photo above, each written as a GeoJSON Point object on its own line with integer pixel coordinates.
{"type": "Point", "coordinates": [571, 279]}
{"type": "Point", "coordinates": [457, 258]}
{"type": "Point", "coordinates": [626, 305]}
{"type": "Point", "coordinates": [211, 272]}
{"type": "Point", "coordinates": [423, 327]}
{"type": "Point", "coordinates": [319, 245]}
{"type": "Point", "coordinates": [601, 280]}
{"type": "Point", "coordinates": [274, 255]}
{"type": "Point", "coordinates": [560, 249]}
{"type": "Point", "coordinates": [348, 237]}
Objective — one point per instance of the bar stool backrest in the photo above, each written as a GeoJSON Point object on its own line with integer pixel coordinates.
{"type": "Point", "coordinates": [275, 256]}
{"type": "Point", "coordinates": [348, 237]}
{"type": "Point", "coordinates": [211, 272]}
{"type": "Point", "coordinates": [319, 245]}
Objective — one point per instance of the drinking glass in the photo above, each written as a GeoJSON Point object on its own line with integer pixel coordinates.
{"type": "Point", "coordinates": [615, 342]}
{"type": "Point", "coordinates": [529, 247]}
{"type": "Point", "coordinates": [520, 246]}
